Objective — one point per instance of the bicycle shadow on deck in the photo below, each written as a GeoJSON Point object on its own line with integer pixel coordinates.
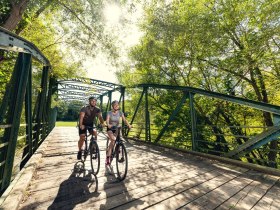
{"type": "Point", "coordinates": [78, 188]}
{"type": "Point", "coordinates": [117, 192]}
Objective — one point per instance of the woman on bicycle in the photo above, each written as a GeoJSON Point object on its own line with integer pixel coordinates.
{"type": "Point", "coordinates": [113, 119]}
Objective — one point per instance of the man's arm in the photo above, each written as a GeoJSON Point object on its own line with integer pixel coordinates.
{"type": "Point", "coordinates": [82, 115]}
{"type": "Point", "coordinates": [101, 120]}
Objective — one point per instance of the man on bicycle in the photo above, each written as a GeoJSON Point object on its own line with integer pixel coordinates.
{"type": "Point", "coordinates": [87, 117]}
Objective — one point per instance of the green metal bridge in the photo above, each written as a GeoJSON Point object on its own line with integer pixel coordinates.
{"type": "Point", "coordinates": [27, 116]}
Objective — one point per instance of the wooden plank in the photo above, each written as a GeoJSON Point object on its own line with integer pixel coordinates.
{"type": "Point", "coordinates": [271, 199]}
{"type": "Point", "coordinates": [158, 178]}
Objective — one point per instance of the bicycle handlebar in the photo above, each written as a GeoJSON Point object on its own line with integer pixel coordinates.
{"type": "Point", "coordinates": [117, 127]}
{"type": "Point", "coordinates": [93, 127]}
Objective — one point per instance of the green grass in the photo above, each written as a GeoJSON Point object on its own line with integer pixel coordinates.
{"type": "Point", "coordinates": [67, 124]}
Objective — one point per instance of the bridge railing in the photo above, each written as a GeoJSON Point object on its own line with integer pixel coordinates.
{"type": "Point", "coordinates": [212, 123]}
{"type": "Point", "coordinates": [26, 116]}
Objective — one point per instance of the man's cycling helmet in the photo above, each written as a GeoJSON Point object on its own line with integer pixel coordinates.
{"type": "Point", "coordinates": [92, 98]}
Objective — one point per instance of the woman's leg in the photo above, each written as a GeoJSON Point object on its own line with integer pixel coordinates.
{"type": "Point", "coordinates": [111, 144]}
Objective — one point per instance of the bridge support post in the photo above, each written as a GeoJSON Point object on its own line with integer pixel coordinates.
{"type": "Point", "coordinates": [276, 119]}
{"type": "Point", "coordinates": [28, 150]}
{"type": "Point", "coordinates": [51, 91]}
{"type": "Point", "coordinates": [41, 106]}
{"type": "Point", "coordinates": [20, 77]}
{"type": "Point", "coordinates": [147, 117]}
{"type": "Point", "coordinates": [109, 101]}
{"type": "Point", "coordinates": [193, 121]}
{"type": "Point", "coordinates": [136, 110]}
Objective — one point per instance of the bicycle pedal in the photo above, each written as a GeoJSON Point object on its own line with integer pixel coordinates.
{"type": "Point", "coordinates": [121, 160]}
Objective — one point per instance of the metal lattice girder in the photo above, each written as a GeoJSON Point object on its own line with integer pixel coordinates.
{"type": "Point", "coordinates": [70, 92]}
{"type": "Point", "coordinates": [255, 104]}
{"type": "Point", "coordinates": [70, 88]}
{"type": "Point", "coordinates": [75, 98]}
{"type": "Point", "coordinates": [257, 141]}
{"type": "Point", "coordinates": [172, 116]}
{"type": "Point", "coordinates": [95, 82]}
{"type": "Point", "coordinates": [21, 71]}
{"type": "Point", "coordinates": [81, 88]}
{"type": "Point", "coordinates": [11, 42]}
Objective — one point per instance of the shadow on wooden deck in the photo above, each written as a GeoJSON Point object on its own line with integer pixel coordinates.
{"type": "Point", "coordinates": [157, 178]}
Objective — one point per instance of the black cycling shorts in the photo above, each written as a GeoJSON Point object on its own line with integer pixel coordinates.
{"type": "Point", "coordinates": [84, 131]}
{"type": "Point", "coordinates": [114, 131]}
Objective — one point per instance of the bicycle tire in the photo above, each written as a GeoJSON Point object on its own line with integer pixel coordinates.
{"type": "Point", "coordinates": [107, 143]}
{"type": "Point", "coordinates": [94, 157]}
{"type": "Point", "coordinates": [121, 161]}
{"type": "Point", "coordinates": [84, 155]}
{"type": "Point", "coordinates": [112, 152]}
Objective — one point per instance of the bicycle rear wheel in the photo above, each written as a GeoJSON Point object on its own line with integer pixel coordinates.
{"type": "Point", "coordinates": [121, 161]}
{"type": "Point", "coordinates": [94, 157]}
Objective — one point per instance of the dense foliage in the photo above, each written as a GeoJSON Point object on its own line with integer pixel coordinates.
{"type": "Point", "coordinates": [225, 46]}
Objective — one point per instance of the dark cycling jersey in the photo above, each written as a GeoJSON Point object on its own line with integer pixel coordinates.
{"type": "Point", "coordinates": [90, 114]}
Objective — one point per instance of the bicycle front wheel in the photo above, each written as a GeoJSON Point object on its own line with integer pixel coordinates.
{"type": "Point", "coordinates": [121, 161]}
{"type": "Point", "coordinates": [94, 157]}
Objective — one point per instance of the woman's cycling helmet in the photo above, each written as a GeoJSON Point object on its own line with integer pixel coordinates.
{"type": "Point", "coordinates": [114, 102]}
{"type": "Point", "coordinates": [92, 98]}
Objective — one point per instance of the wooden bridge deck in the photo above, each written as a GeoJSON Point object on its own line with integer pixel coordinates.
{"type": "Point", "coordinates": [157, 179]}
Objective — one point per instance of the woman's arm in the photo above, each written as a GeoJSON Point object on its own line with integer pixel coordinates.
{"type": "Point", "coordinates": [125, 120]}
{"type": "Point", "coordinates": [107, 120]}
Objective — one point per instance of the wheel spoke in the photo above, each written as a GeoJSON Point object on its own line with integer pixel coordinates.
{"type": "Point", "coordinates": [121, 161]}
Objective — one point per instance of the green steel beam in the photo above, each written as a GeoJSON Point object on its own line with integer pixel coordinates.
{"type": "Point", "coordinates": [28, 151]}
{"type": "Point", "coordinates": [193, 121]}
{"type": "Point", "coordinates": [136, 110]}
{"type": "Point", "coordinates": [101, 103]}
{"type": "Point", "coordinates": [68, 87]}
{"type": "Point", "coordinates": [276, 119]}
{"type": "Point", "coordinates": [52, 82]}
{"type": "Point", "coordinates": [121, 99]}
{"type": "Point", "coordinates": [255, 104]}
{"type": "Point", "coordinates": [257, 141]}
{"type": "Point", "coordinates": [172, 116]}
{"type": "Point", "coordinates": [137, 107]}
{"type": "Point", "coordinates": [109, 101]}
{"type": "Point", "coordinates": [147, 116]}
{"type": "Point", "coordinates": [77, 98]}
{"type": "Point", "coordinates": [12, 42]}
{"type": "Point", "coordinates": [93, 82]}
{"type": "Point", "coordinates": [41, 103]}
{"type": "Point", "coordinates": [70, 93]}
{"type": "Point", "coordinates": [5, 100]}
{"type": "Point", "coordinates": [22, 69]}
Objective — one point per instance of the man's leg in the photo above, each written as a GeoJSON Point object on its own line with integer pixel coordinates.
{"type": "Point", "coordinates": [81, 141]}
{"type": "Point", "coordinates": [82, 134]}
{"type": "Point", "coordinates": [95, 134]}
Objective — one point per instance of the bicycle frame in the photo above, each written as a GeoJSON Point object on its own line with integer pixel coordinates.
{"type": "Point", "coordinates": [91, 148]}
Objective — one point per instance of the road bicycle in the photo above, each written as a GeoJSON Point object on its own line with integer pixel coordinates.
{"type": "Point", "coordinates": [119, 153]}
{"type": "Point", "coordinates": [92, 150]}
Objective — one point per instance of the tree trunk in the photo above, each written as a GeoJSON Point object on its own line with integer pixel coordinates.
{"type": "Point", "coordinates": [16, 14]}
{"type": "Point", "coordinates": [22, 26]}
{"type": "Point", "coordinates": [272, 155]}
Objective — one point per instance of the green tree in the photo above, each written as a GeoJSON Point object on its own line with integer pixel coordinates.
{"type": "Point", "coordinates": [223, 46]}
